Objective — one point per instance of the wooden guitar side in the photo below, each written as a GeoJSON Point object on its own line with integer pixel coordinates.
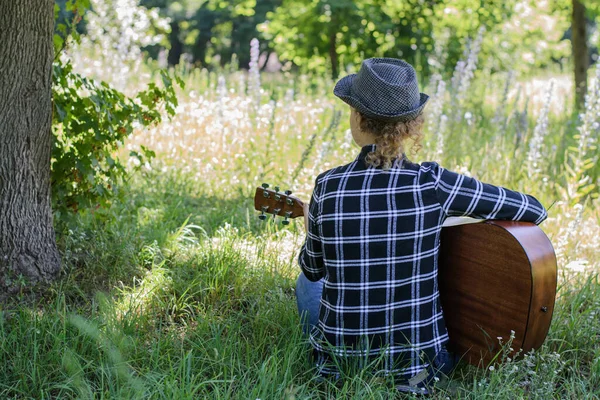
{"type": "Point", "coordinates": [496, 277]}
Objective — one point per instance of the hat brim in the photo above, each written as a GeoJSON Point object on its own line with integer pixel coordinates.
{"type": "Point", "coordinates": [343, 90]}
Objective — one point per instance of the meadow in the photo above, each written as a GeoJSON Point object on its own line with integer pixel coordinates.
{"type": "Point", "coordinates": [178, 291]}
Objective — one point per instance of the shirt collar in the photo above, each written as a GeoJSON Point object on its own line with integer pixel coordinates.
{"type": "Point", "coordinates": [366, 150]}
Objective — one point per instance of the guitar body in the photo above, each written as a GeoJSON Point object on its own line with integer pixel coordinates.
{"type": "Point", "coordinates": [495, 277]}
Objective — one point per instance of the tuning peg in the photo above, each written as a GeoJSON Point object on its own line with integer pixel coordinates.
{"type": "Point", "coordinates": [275, 212]}
{"type": "Point", "coordinates": [262, 215]}
{"type": "Point", "coordinates": [265, 185]}
{"type": "Point", "coordinates": [276, 188]}
{"type": "Point", "coordinates": [286, 221]}
{"type": "Point", "coordinates": [289, 201]}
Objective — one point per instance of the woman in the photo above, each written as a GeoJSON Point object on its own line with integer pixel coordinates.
{"type": "Point", "coordinates": [373, 229]}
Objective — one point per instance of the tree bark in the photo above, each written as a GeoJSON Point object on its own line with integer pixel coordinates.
{"type": "Point", "coordinates": [579, 51]}
{"type": "Point", "coordinates": [28, 251]}
{"type": "Point", "coordinates": [333, 53]}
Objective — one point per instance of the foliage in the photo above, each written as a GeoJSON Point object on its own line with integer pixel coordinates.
{"type": "Point", "coordinates": [212, 31]}
{"type": "Point", "coordinates": [68, 17]}
{"type": "Point", "coordinates": [320, 35]}
{"type": "Point", "coordinates": [308, 32]}
{"type": "Point", "coordinates": [521, 35]}
{"type": "Point", "coordinates": [90, 121]}
{"type": "Point", "coordinates": [328, 34]}
{"type": "Point", "coordinates": [235, 26]}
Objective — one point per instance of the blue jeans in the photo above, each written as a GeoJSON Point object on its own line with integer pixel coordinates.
{"type": "Point", "coordinates": [308, 298]}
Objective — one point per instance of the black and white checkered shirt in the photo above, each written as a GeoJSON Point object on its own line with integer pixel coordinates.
{"type": "Point", "coordinates": [374, 238]}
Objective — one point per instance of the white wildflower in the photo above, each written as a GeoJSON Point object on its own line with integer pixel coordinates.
{"type": "Point", "coordinates": [536, 150]}
{"type": "Point", "coordinates": [254, 72]}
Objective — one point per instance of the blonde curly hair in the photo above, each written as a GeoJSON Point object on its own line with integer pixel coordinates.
{"type": "Point", "coordinates": [391, 137]}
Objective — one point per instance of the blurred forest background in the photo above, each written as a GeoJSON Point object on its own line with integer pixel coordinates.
{"type": "Point", "coordinates": [333, 36]}
{"type": "Point", "coordinates": [166, 114]}
{"type": "Point", "coordinates": [535, 55]}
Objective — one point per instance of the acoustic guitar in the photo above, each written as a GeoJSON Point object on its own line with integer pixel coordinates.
{"type": "Point", "coordinates": [497, 279]}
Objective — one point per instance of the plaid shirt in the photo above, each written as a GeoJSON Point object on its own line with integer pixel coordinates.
{"type": "Point", "coordinates": [374, 239]}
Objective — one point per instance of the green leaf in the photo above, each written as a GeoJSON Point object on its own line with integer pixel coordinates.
{"type": "Point", "coordinates": [59, 110]}
{"type": "Point", "coordinates": [58, 43]}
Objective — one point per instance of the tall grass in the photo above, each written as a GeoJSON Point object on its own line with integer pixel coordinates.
{"type": "Point", "coordinates": [178, 291]}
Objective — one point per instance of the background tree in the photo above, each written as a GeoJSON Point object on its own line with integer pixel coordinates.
{"type": "Point", "coordinates": [582, 11]}
{"type": "Point", "coordinates": [325, 34]}
{"type": "Point", "coordinates": [27, 243]}
{"type": "Point", "coordinates": [583, 17]}
{"type": "Point", "coordinates": [322, 34]}
{"type": "Point", "coordinates": [580, 50]}
{"type": "Point", "coordinates": [211, 30]}
{"type": "Point", "coordinates": [239, 21]}
{"type": "Point", "coordinates": [343, 32]}
{"type": "Point", "coordinates": [205, 19]}
{"type": "Point", "coordinates": [180, 14]}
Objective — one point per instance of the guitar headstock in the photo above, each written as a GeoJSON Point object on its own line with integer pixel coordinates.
{"type": "Point", "coordinates": [276, 203]}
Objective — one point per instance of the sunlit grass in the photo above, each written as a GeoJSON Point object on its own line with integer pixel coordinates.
{"type": "Point", "coordinates": [178, 290]}
{"type": "Point", "coordinates": [209, 312]}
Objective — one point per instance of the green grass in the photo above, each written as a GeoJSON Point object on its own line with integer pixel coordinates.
{"type": "Point", "coordinates": [190, 312]}
{"type": "Point", "coordinates": [178, 291]}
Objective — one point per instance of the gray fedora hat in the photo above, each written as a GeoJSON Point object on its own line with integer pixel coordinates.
{"type": "Point", "coordinates": [384, 89]}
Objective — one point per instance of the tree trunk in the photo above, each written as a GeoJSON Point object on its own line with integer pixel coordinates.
{"type": "Point", "coordinates": [28, 250]}
{"type": "Point", "coordinates": [176, 45]}
{"type": "Point", "coordinates": [333, 54]}
{"type": "Point", "coordinates": [205, 21]}
{"type": "Point", "coordinates": [580, 51]}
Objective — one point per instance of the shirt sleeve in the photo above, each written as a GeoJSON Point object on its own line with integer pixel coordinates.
{"type": "Point", "coordinates": [311, 254]}
{"type": "Point", "coordinates": [460, 195]}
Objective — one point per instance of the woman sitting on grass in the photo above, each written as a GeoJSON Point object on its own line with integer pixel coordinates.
{"type": "Point", "coordinates": [370, 261]}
